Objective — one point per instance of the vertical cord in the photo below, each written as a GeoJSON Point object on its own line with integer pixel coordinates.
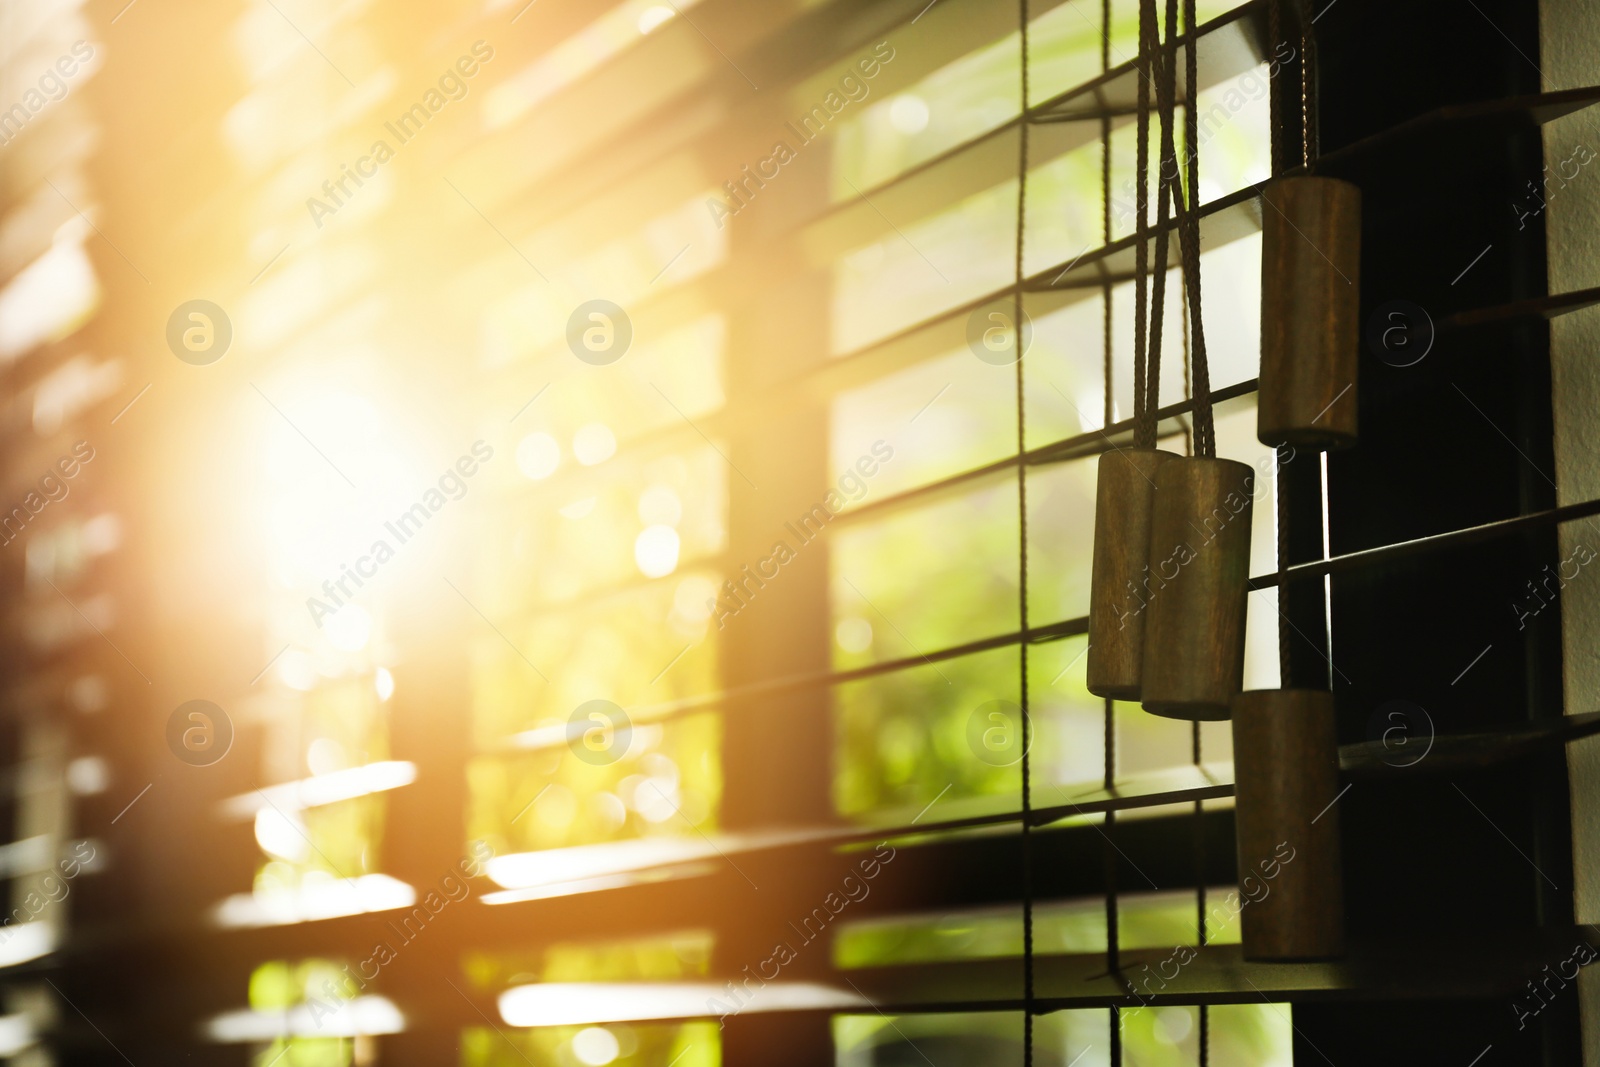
{"type": "Point", "coordinates": [1109, 414]}
{"type": "Point", "coordinates": [1188, 384]}
{"type": "Point", "coordinates": [1189, 234]}
{"type": "Point", "coordinates": [1281, 495]}
{"type": "Point", "coordinates": [1149, 41]}
{"type": "Point", "coordinates": [1310, 146]}
{"type": "Point", "coordinates": [1308, 151]}
{"type": "Point", "coordinates": [1105, 230]}
{"type": "Point", "coordinates": [1105, 35]}
{"type": "Point", "coordinates": [1205, 430]}
{"type": "Point", "coordinates": [1110, 705]}
{"type": "Point", "coordinates": [1113, 934]}
{"type": "Point", "coordinates": [1278, 123]}
{"type": "Point", "coordinates": [1022, 558]}
{"type": "Point", "coordinates": [1206, 444]}
{"type": "Point", "coordinates": [1308, 87]}
{"type": "Point", "coordinates": [1323, 513]}
{"type": "Point", "coordinates": [1141, 196]}
{"type": "Point", "coordinates": [1190, 143]}
{"type": "Point", "coordinates": [1165, 78]}
{"type": "Point", "coordinates": [1200, 899]}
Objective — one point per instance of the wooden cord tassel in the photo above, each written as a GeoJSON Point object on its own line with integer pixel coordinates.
{"type": "Point", "coordinates": [1120, 579]}
{"type": "Point", "coordinates": [1286, 817]}
{"type": "Point", "coordinates": [1199, 550]}
{"type": "Point", "coordinates": [1310, 289]}
{"type": "Point", "coordinates": [1286, 759]}
{"type": "Point", "coordinates": [1310, 313]}
{"type": "Point", "coordinates": [1200, 554]}
{"type": "Point", "coordinates": [1120, 582]}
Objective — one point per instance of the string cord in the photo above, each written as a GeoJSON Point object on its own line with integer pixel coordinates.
{"type": "Point", "coordinates": [1166, 89]}
{"type": "Point", "coordinates": [1280, 492]}
{"type": "Point", "coordinates": [1141, 197]}
{"type": "Point", "coordinates": [1109, 412]}
{"type": "Point", "coordinates": [1108, 860]}
{"type": "Point", "coordinates": [1145, 426]}
{"type": "Point", "coordinates": [1279, 126]}
{"type": "Point", "coordinates": [1022, 556]}
{"type": "Point", "coordinates": [1308, 86]}
{"type": "Point", "coordinates": [1189, 241]}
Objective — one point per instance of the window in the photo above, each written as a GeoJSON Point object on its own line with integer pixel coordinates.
{"type": "Point", "coordinates": [529, 539]}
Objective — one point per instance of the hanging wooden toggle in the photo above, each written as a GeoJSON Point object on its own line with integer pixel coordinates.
{"type": "Point", "coordinates": [1286, 773]}
{"type": "Point", "coordinates": [1199, 549]}
{"type": "Point", "coordinates": [1200, 553]}
{"type": "Point", "coordinates": [1120, 581]}
{"type": "Point", "coordinates": [1310, 308]}
{"type": "Point", "coordinates": [1310, 284]}
{"type": "Point", "coordinates": [1285, 746]}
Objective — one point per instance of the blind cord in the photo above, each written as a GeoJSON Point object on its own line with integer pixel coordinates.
{"type": "Point", "coordinates": [1141, 198]}
{"type": "Point", "coordinates": [1108, 378]}
{"type": "Point", "coordinates": [1278, 125]}
{"type": "Point", "coordinates": [1280, 491]}
{"type": "Point", "coordinates": [1189, 240]}
{"type": "Point", "coordinates": [1308, 87]}
{"type": "Point", "coordinates": [1109, 404]}
{"type": "Point", "coordinates": [1166, 88]}
{"type": "Point", "coordinates": [1145, 426]}
{"type": "Point", "coordinates": [1022, 558]}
